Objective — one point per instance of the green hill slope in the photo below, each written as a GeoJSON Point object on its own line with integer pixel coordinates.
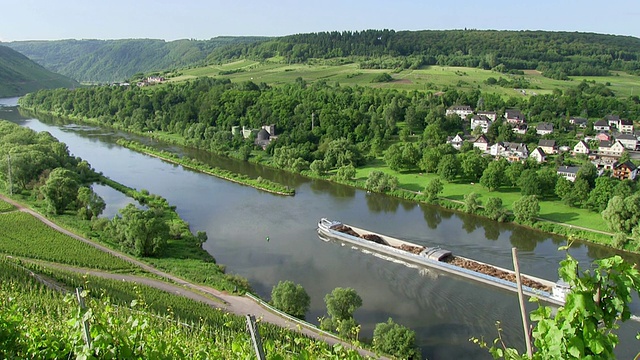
{"type": "Point", "coordinates": [117, 60]}
{"type": "Point", "coordinates": [19, 75]}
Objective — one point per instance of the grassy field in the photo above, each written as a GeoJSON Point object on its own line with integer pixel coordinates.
{"type": "Point", "coordinates": [5, 207]}
{"type": "Point", "coordinates": [428, 78]}
{"type": "Point", "coordinates": [550, 210]}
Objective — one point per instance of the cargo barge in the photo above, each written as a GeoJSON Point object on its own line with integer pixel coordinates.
{"type": "Point", "coordinates": [442, 260]}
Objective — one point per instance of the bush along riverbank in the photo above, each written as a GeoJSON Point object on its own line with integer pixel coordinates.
{"type": "Point", "coordinates": [258, 183]}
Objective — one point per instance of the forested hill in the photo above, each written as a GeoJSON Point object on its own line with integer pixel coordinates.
{"type": "Point", "coordinates": [570, 53]}
{"type": "Point", "coordinates": [117, 60]}
{"type": "Point", "coordinates": [19, 75]}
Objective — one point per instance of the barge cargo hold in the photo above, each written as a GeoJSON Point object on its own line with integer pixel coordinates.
{"type": "Point", "coordinates": [442, 260]}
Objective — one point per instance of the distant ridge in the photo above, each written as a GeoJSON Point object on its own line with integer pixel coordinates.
{"type": "Point", "coordinates": [20, 75]}
{"type": "Point", "coordinates": [117, 60]}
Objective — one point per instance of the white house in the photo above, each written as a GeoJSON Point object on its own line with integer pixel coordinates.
{"type": "Point", "coordinates": [609, 148]}
{"type": "Point", "coordinates": [538, 155]}
{"type": "Point", "coordinates": [520, 128]}
{"type": "Point", "coordinates": [601, 125]}
{"type": "Point", "coordinates": [460, 110]}
{"type": "Point", "coordinates": [613, 121]}
{"type": "Point", "coordinates": [481, 142]}
{"type": "Point", "coordinates": [510, 150]}
{"type": "Point", "coordinates": [544, 128]}
{"type": "Point", "coordinates": [625, 126]}
{"type": "Point", "coordinates": [568, 172]}
{"type": "Point", "coordinates": [481, 121]}
{"type": "Point", "coordinates": [456, 141]}
{"type": "Point", "coordinates": [628, 141]}
{"type": "Point", "coordinates": [581, 148]}
{"type": "Point", "coordinates": [549, 146]}
{"type": "Point", "coordinates": [514, 116]}
{"type": "Point", "coordinates": [489, 114]}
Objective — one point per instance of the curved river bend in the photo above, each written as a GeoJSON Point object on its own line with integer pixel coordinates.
{"type": "Point", "coordinates": [444, 311]}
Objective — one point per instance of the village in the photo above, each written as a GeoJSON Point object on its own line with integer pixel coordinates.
{"type": "Point", "coordinates": [609, 150]}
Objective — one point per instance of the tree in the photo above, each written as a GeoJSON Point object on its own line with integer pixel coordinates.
{"type": "Point", "coordinates": [60, 190]}
{"type": "Point", "coordinates": [598, 300]}
{"type": "Point", "coordinates": [140, 232]}
{"type": "Point", "coordinates": [563, 189]}
{"type": "Point", "coordinates": [589, 172]}
{"type": "Point", "coordinates": [473, 165]}
{"type": "Point", "coordinates": [433, 135]}
{"type": "Point", "coordinates": [342, 303]}
{"type": "Point", "coordinates": [526, 209]}
{"type": "Point", "coordinates": [89, 203]}
{"type": "Point", "coordinates": [471, 203]}
{"type": "Point", "coordinates": [432, 190]}
{"type": "Point", "coordinates": [381, 182]}
{"type": "Point", "coordinates": [394, 339]}
{"type": "Point", "coordinates": [529, 183]}
{"type": "Point", "coordinates": [601, 193]}
{"type": "Point", "coordinates": [290, 298]}
{"type": "Point", "coordinates": [393, 157]}
{"type": "Point", "coordinates": [448, 167]}
{"type": "Point", "coordinates": [622, 214]}
{"type": "Point", "coordinates": [345, 173]}
{"type": "Point", "coordinates": [318, 167]}
{"type": "Point", "coordinates": [493, 176]}
{"type": "Point", "coordinates": [430, 160]}
{"type": "Point", "coordinates": [494, 210]}
{"type": "Point", "coordinates": [547, 178]}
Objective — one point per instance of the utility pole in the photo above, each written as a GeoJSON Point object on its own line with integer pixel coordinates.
{"type": "Point", "coordinates": [313, 116]}
{"type": "Point", "coordinates": [10, 183]}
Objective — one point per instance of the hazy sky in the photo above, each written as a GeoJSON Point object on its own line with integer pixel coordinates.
{"type": "Point", "coordinates": [202, 19]}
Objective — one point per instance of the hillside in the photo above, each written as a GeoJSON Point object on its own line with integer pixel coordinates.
{"type": "Point", "coordinates": [556, 54]}
{"type": "Point", "coordinates": [19, 75]}
{"type": "Point", "coordinates": [117, 60]}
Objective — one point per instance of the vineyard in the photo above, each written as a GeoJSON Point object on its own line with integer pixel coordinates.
{"type": "Point", "coordinates": [6, 207]}
{"type": "Point", "coordinates": [23, 235]}
{"type": "Point", "coordinates": [39, 322]}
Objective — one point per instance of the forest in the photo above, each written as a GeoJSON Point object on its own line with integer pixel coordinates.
{"type": "Point", "coordinates": [556, 54]}
{"type": "Point", "coordinates": [117, 60]}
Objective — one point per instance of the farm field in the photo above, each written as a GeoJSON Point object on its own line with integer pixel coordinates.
{"type": "Point", "coordinates": [429, 78]}
{"type": "Point", "coordinates": [23, 235]}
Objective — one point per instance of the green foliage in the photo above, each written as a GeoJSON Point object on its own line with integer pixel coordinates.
{"type": "Point", "coordinates": [397, 340]}
{"type": "Point", "coordinates": [290, 298]}
{"type": "Point", "coordinates": [20, 75]}
{"type": "Point", "coordinates": [494, 210]}
{"type": "Point", "coordinates": [381, 182]}
{"type": "Point", "coordinates": [118, 60]}
{"type": "Point", "coordinates": [382, 77]}
{"type": "Point", "coordinates": [341, 304]}
{"type": "Point", "coordinates": [433, 190]}
{"type": "Point", "coordinates": [471, 203]}
{"type": "Point", "coordinates": [623, 215]}
{"type": "Point", "coordinates": [90, 205]}
{"type": "Point", "coordinates": [526, 209]}
{"type": "Point", "coordinates": [448, 167]}
{"type": "Point", "coordinates": [493, 176]}
{"type": "Point", "coordinates": [584, 328]}
{"type": "Point", "coordinates": [130, 321]}
{"type": "Point", "coordinates": [60, 190]}
{"type": "Point", "coordinates": [140, 232]}
{"type": "Point", "coordinates": [345, 173]}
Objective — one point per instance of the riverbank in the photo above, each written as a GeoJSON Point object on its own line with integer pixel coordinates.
{"type": "Point", "coordinates": [259, 183]}
{"type": "Point", "coordinates": [410, 189]}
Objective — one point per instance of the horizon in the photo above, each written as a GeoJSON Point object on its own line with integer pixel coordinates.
{"type": "Point", "coordinates": [40, 20]}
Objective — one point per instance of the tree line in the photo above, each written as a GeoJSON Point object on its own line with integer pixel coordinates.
{"type": "Point", "coordinates": [556, 54]}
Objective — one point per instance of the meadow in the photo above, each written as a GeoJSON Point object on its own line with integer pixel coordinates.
{"type": "Point", "coordinates": [432, 78]}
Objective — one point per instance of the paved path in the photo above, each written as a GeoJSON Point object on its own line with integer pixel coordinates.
{"type": "Point", "coordinates": [240, 305]}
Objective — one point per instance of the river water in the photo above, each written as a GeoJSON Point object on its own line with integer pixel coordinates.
{"type": "Point", "coordinates": [443, 310]}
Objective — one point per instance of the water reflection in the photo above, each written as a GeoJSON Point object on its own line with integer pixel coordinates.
{"type": "Point", "coordinates": [324, 187]}
{"type": "Point", "coordinates": [491, 230]}
{"type": "Point", "coordinates": [432, 216]}
{"type": "Point", "coordinates": [378, 203]}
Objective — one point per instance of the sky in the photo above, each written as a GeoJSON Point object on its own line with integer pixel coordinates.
{"type": "Point", "coordinates": [206, 19]}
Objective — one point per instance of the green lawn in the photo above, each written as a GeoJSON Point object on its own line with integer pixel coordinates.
{"type": "Point", "coordinates": [550, 210]}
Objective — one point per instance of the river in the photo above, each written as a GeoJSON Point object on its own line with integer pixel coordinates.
{"type": "Point", "coordinates": [444, 311]}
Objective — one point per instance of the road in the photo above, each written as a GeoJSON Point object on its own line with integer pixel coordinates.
{"type": "Point", "coordinates": [239, 305]}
